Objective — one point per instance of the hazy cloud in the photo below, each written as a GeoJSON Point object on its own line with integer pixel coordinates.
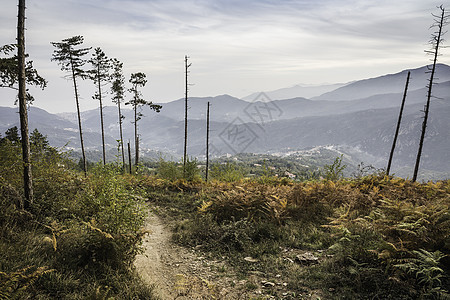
{"type": "Point", "coordinates": [236, 47]}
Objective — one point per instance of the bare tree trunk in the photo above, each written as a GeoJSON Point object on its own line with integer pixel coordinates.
{"type": "Point", "coordinates": [437, 39]}
{"type": "Point", "coordinates": [121, 134]}
{"type": "Point", "coordinates": [137, 152]}
{"type": "Point", "coordinates": [207, 142]}
{"type": "Point", "coordinates": [101, 115]}
{"type": "Point", "coordinates": [398, 125]}
{"type": "Point", "coordinates": [129, 156]}
{"type": "Point", "coordinates": [79, 116]}
{"type": "Point", "coordinates": [27, 175]}
{"type": "Point", "coordinates": [186, 66]}
{"type": "Point", "coordinates": [136, 140]}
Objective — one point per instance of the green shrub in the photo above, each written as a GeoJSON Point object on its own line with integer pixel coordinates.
{"type": "Point", "coordinates": [87, 230]}
{"type": "Point", "coordinates": [228, 172]}
{"type": "Point", "coordinates": [171, 170]}
{"type": "Point", "coordinates": [334, 171]}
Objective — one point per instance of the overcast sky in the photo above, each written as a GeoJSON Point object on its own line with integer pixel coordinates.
{"type": "Point", "coordinates": [236, 47]}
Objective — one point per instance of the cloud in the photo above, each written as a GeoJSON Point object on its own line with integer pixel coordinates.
{"type": "Point", "coordinates": [236, 47]}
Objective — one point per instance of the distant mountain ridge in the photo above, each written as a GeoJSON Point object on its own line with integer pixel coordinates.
{"type": "Point", "coordinates": [299, 90]}
{"type": "Point", "coordinates": [364, 125]}
{"type": "Point", "coordinates": [391, 83]}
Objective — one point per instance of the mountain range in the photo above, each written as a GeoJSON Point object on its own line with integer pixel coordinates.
{"type": "Point", "coordinates": [358, 118]}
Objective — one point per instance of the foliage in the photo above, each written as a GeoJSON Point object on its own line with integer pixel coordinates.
{"type": "Point", "coordinates": [79, 238]}
{"type": "Point", "coordinates": [138, 80]}
{"type": "Point", "coordinates": [228, 172]}
{"type": "Point", "coordinates": [371, 233]}
{"type": "Point", "coordinates": [118, 90]}
{"type": "Point", "coordinates": [426, 268]}
{"type": "Point", "coordinates": [14, 284]}
{"type": "Point", "coordinates": [334, 171]}
{"type": "Point", "coordinates": [69, 57]}
{"type": "Point", "coordinates": [101, 66]}
{"type": "Point", "coordinates": [174, 171]}
{"type": "Point", "coordinates": [8, 71]}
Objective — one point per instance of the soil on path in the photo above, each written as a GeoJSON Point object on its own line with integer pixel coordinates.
{"type": "Point", "coordinates": [180, 273]}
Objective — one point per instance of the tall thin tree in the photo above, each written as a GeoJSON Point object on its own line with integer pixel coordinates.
{"type": "Point", "coordinates": [129, 156]}
{"type": "Point", "coordinates": [27, 175]}
{"type": "Point", "coordinates": [207, 142]}
{"type": "Point", "coordinates": [391, 155]}
{"type": "Point", "coordinates": [71, 60]}
{"type": "Point", "coordinates": [100, 75]}
{"type": "Point", "coordinates": [186, 72]}
{"type": "Point", "coordinates": [138, 81]}
{"type": "Point", "coordinates": [118, 91]}
{"type": "Point", "coordinates": [435, 42]}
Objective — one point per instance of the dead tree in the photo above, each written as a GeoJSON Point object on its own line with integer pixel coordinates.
{"type": "Point", "coordinates": [398, 125]}
{"type": "Point", "coordinates": [207, 142]}
{"type": "Point", "coordinates": [186, 72]}
{"type": "Point", "coordinates": [27, 175]}
{"type": "Point", "coordinates": [129, 156]}
{"type": "Point", "coordinates": [435, 42]}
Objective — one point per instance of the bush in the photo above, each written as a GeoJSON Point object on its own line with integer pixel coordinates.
{"type": "Point", "coordinates": [174, 171]}
{"type": "Point", "coordinates": [228, 172]}
{"type": "Point", "coordinates": [86, 230]}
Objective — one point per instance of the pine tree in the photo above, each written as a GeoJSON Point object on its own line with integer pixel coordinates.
{"type": "Point", "coordinates": [100, 75]}
{"type": "Point", "coordinates": [70, 57]}
{"type": "Point", "coordinates": [118, 91]}
{"type": "Point", "coordinates": [8, 71]}
{"type": "Point", "coordinates": [138, 80]}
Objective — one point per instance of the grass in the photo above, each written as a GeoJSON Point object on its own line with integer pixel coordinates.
{"type": "Point", "coordinates": [368, 233]}
{"type": "Point", "coordinates": [80, 236]}
{"type": "Point", "coordinates": [372, 237]}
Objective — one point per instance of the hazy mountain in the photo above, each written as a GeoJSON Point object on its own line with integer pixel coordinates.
{"type": "Point", "coordinates": [364, 127]}
{"type": "Point", "coordinates": [392, 83]}
{"type": "Point", "coordinates": [301, 107]}
{"type": "Point", "coordinates": [60, 132]}
{"type": "Point", "coordinates": [299, 90]}
{"type": "Point", "coordinates": [368, 132]}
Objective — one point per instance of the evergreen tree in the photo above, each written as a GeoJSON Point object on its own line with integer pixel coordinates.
{"type": "Point", "coordinates": [8, 71]}
{"type": "Point", "coordinates": [38, 141]}
{"type": "Point", "coordinates": [12, 135]}
{"type": "Point", "coordinates": [70, 57]}
{"type": "Point", "coordinates": [118, 91]}
{"type": "Point", "coordinates": [138, 80]}
{"type": "Point", "coordinates": [100, 74]}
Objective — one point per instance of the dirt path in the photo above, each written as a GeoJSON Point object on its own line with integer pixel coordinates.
{"type": "Point", "coordinates": [177, 272]}
{"type": "Point", "coordinates": [182, 273]}
{"type": "Point", "coordinates": [152, 264]}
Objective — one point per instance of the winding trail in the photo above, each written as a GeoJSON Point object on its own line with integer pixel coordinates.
{"type": "Point", "coordinates": [177, 272]}
{"type": "Point", "coordinates": [185, 273]}
{"type": "Point", "coordinates": [152, 264]}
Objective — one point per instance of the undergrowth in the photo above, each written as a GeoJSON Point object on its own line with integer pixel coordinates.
{"type": "Point", "coordinates": [371, 237]}
{"type": "Point", "coordinates": [375, 236]}
{"type": "Point", "coordinates": [80, 236]}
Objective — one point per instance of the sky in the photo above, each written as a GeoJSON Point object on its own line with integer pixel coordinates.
{"type": "Point", "coordinates": [236, 47]}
